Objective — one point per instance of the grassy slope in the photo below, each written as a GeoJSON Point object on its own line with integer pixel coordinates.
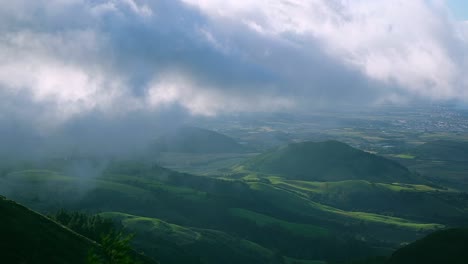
{"type": "Point", "coordinates": [327, 161]}
{"type": "Point", "coordinates": [406, 200]}
{"type": "Point", "coordinates": [444, 162]}
{"type": "Point", "coordinates": [210, 245]}
{"type": "Point", "coordinates": [28, 237]}
{"type": "Point", "coordinates": [131, 188]}
{"type": "Point", "coordinates": [302, 205]}
{"type": "Point", "coordinates": [294, 228]}
{"type": "Point", "coordinates": [204, 202]}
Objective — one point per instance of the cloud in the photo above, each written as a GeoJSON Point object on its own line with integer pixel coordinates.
{"type": "Point", "coordinates": [414, 45]}
{"type": "Point", "coordinates": [100, 65]}
{"type": "Point", "coordinates": [202, 100]}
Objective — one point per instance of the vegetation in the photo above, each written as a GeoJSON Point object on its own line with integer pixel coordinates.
{"type": "Point", "coordinates": [200, 202]}
{"type": "Point", "coordinates": [28, 237]}
{"type": "Point", "coordinates": [211, 246]}
{"type": "Point", "coordinates": [115, 248]}
{"type": "Point", "coordinates": [94, 227]}
{"type": "Point", "coordinates": [245, 215]}
{"type": "Point", "coordinates": [264, 220]}
{"type": "Point", "coordinates": [115, 244]}
{"type": "Point", "coordinates": [443, 162]}
{"type": "Point", "coordinates": [196, 140]}
{"type": "Point", "coordinates": [447, 246]}
{"type": "Point", "coordinates": [327, 161]}
{"type": "Point", "coordinates": [442, 150]}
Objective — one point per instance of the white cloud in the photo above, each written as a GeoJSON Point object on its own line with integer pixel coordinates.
{"type": "Point", "coordinates": [115, 6]}
{"type": "Point", "coordinates": [55, 70]}
{"type": "Point", "coordinates": [209, 56]}
{"type": "Point", "coordinates": [177, 88]}
{"type": "Point", "coordinates": [401, 43]}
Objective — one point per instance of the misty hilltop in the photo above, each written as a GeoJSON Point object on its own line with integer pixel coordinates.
{"type": "Point", "coordinates": [196, 140]}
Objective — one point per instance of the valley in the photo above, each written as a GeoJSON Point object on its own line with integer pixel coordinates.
{"type": "Point", "coordinates": [297, 201]}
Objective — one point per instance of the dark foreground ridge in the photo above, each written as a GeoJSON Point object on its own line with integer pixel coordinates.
{"type": "Point", "coordinates": [29, 237]}
{"type": "Point", "coordinates": [447, 246]}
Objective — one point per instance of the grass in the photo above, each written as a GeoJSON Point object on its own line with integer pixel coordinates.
{"type": "Point", "coordinates": [213, 203]}
{"type": "Point", "coordinates": [288, 260]}
{"type": "Point", "coordinates": [200, 163]}
{"type": "Point", "coordinates": [45, 180]}
{"type": "Point", "coordinates": [326, 161]}
{"type": "Point", "coordinates": [292, 201]}
{"type": "Point", "coordinates": [176, 233]}
{"type": "Point", "coordinates": [395, 221]}
{"type": "Point", "coordinates": [404, 156]}
{"type": "Point", "coordinates": [37, 175]}
{"type": "Point", "coordinates": [398, 187]}
{"type": "Point", "coordinates": [153, 185]}
{"type": "Point", "coordinates": [291, 195]}
{"type": "Point", "coordinates": [294, 228]}
{"type": "Point", "coordinates": [210, 245]}
{"type": "Point", "coordinates": [347, 186]}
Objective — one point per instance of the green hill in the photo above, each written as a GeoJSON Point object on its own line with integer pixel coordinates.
{"type": "Point", "coordinates": [28, 237]}
{"type": "Point", "coordinates": [444, 150]}
{"type": "Point", "coordinates": [327, 161]}
{"type": "Point", "coordinates": [447, 246]}
{"type": "Point", "coordinates": [410, 201]}
{"type": "Point", "coordinates": [296, 219]}
{"type": "Point", "coordinates": [196, 140]}
{"type": "Point", "coordinates": [210, 246]}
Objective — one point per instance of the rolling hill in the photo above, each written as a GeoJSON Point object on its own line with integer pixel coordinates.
{"type": "Point", "coordinates": [295, 219]}
{"type": "Point", "coordinates": [328, 161]}
{"type": "Point", "coordinates": [203, 245]}
{"type": "Point", "coordinates": [442, 162]}
{"type": "Point", "coordinates": [196, 140]}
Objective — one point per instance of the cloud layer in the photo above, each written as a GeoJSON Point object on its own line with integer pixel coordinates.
{"type": "Point", "coordinates": [69, 60]}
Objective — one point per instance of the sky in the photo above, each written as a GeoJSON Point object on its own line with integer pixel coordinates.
{"type": "Point", "coordinates": [459, 8]}
{"type": "Point", "coordinates": [115, 68]}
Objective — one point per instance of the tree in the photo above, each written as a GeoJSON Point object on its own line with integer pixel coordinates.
{"type": "Point", "coordinates": [115, 249]}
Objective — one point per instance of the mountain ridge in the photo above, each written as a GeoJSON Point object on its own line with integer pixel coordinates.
{"type": "Point", "coordinates": [196, 140]}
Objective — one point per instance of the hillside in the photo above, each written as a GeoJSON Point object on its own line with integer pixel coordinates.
{"type": "Point", "coordinates": [203, 245]}
{"type": "Point", "coordinates": [294, 219]}
{"type": "Point", "coordinates": [447, 246]}
{"type": "Point", "coordinates": [442, 162]}
{"type": "Point", "coordinates": [444, 150]}
{"type": "Point", "coordinates": [28, 237]}
{"type": "Point", "coordinates": [196, 140]}
{"type": "Point", "coordinates": [328, 161]}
